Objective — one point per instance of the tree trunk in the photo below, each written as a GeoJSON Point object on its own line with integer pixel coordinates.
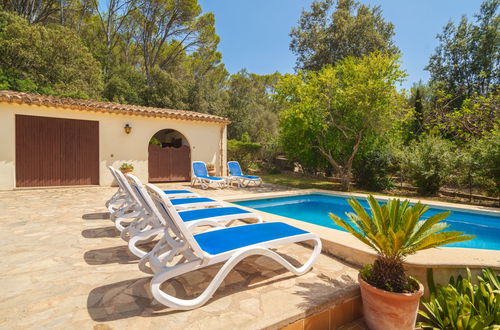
{"type": "Point", "coordinates": [345, 180]}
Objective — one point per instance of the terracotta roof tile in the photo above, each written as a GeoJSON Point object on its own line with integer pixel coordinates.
{"type": "Point", "coordinates": [110, 107]}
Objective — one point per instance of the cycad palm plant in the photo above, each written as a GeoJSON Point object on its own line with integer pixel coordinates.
{"type": "Point", "coordinates": [395, 230]}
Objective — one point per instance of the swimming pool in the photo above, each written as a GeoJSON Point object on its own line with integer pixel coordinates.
{"type": "Point", "coordinates": [314, 208]}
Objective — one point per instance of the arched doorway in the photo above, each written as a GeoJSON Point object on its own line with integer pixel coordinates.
{"type": "Point", "coordinates": [169, 157]}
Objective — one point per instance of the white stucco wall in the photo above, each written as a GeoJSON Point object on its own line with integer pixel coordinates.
{"type": "Point", "coordinates": [206, 139]}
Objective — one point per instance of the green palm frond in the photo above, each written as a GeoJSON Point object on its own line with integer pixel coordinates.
{"type": "Point", "coordinates": [395, 229]}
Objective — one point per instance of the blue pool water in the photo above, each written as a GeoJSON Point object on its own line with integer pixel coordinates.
{"type": "Point", "coordinates": [314, 208]}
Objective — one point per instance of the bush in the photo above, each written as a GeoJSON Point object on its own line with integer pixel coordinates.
{"type": "Point", "coordinates": [244, 152]}
{"type": "Point", "coordinates": [489, 159]}
{"type": "Point", "coordinates": [428, 163]}
{"type": "Point", "coordinates": [462, 305]}
{"type": "Point", "coordinates": [372, 170]}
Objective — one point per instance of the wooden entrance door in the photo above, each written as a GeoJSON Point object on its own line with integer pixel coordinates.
{"type": "Point", "coordinates": [169, 164]}
{"type": "Point", "coordinates": [56, 152]}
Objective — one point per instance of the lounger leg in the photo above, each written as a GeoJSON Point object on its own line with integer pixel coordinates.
{"type": "Point", "coordinates": [172, 272]}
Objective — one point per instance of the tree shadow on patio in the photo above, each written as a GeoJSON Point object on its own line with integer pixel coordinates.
{"type": "Point", "coordinates": [328, 289]}
{"type": "Point", "coordinates": [110, 231]}
{"type": "Point", "coordinates": [96, 216]}
{"type": "Point", "coordinates": [133, 297]}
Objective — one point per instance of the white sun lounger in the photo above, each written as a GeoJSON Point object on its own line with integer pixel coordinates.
{"type": "Point", "coordinates": [179, 251]}
{"type": "Point", "coordinates": [134, 211]}
{"type": "Point", "coordinates": [237, 175]}
{"type": "Point", "coordinates": [200, 175]}
{"type": "Point", "coordinates": [152, 223]}
{"type": "Point", "coordinates": [124, 201]}
{"type": "Point", "coordinates": [121, 199]}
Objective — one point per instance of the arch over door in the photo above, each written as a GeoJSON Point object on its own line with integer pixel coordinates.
{"type": "Point", "coordinates": [169, 164]}
{"type": "Point", "coordinates": [56, 151]}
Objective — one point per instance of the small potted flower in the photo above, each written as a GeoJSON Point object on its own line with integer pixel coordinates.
{"type": "Point", "coordinates": [211, 169]}
{"type": "Point", "coordinates": [394, 230]}
{"type": "Point", "coordinates": [126, 168]}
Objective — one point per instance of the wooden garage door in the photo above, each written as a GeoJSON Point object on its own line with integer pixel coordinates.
{"type": "Point", "coordinates": [56, 152]}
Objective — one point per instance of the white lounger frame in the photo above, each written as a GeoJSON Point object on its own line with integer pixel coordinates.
{"type": "Point", "coordinates": [178, 253]}
{"type": "Point", "coordinates": [149, 228]}
{"type": "Point", "coordinates": [245, 182]}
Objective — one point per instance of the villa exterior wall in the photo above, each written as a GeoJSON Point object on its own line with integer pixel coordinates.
{"type": "Point", "coordinates": [207, 140]}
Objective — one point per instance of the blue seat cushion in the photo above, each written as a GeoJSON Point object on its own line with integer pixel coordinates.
{"type": "Point", "coordinates": [223, 240]}
{"type": "Point", "coordinates": [173, 192]}
{"type": "Point", "coordinates": [250, 177]}
{"type": "Point", "coordinates": [209, 177]}
{"type": "Point", "coordinates": [209, 213]}
{"type": "Point", "coordinates": [180, 201]}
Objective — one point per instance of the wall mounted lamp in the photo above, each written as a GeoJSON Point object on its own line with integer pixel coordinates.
{"type": "Point", "coordinates": [127, 128]}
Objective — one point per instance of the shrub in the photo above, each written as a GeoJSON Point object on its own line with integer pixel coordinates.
{"type": "Point", "coordinates": [154, 140]}
{"type": "Point", "coordinates": [489, 159]}
{"type": "Point", "coordinates": [462, 305]}
{"type": "Point", "coordinates": [372, 170]}
{"type": "Point", "coordinates": [428, 163]}
{"type": "Point", "coordinates": [244, 152]}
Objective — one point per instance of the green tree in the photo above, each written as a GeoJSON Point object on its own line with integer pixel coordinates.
{"type": "Point", "coordinates": [331, 32]}
{"type": "Point", "coordinates": [112, 21]}
{"type": "Point", "coordinates": [51, 57]}
{"type": "Point", "coordinates": [476, 116]}
{"type": "Point", "coordinates": [125, 85]}
{"type": "Point", "coordinates": [467, 61]}
{"type": "Point", "coordinates": [164, 90]}
{"type": "Point", "coordinates": [34, 11]}
{"type": "Point", "coordinates": [167, 29]}
{"type": "Point", "coordinates": [334, 110]}
{"type": "Point", "coordinates": [251, 106]}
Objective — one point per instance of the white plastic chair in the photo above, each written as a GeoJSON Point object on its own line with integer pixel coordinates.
{"type": "Point", "coordinates": [179, 252]}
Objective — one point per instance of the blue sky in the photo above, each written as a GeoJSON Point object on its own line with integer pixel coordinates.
{"type": "Point", "coordinates": [255, 33]}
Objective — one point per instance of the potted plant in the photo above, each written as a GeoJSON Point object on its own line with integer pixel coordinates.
{"type": "Point", "coordinates": [126, 168]}
{"type": "Point", "coordinates": [211, 169]}
{"type": "Point", "coordinates": [394, 230]}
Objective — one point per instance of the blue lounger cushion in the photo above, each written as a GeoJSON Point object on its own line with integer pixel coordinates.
{"type": "Point", "coordinates": [209, 213]}
{"type": "Point", "coordinates": [210, 178]}
{"type": "Point", "coordinates": [173, 192]}
{"type": "Point", "coordinates": [223, 240]}
{"type": "Point", "coordinates": [180, 201]}
{"type": "Point", "coordinates": [251, 177]}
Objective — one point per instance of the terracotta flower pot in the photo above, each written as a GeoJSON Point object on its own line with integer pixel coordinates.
{"type": "Point", "coordinates": [126, 171]}
{"type": "Point", "coordinates": [384, 310]}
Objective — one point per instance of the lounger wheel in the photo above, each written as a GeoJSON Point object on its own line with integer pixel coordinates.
{"type": "Point", "coordinates": [186, 304]}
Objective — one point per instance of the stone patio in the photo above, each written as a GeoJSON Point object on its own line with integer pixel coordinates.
{"type": "Point", "coordinates": [65, 266]}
